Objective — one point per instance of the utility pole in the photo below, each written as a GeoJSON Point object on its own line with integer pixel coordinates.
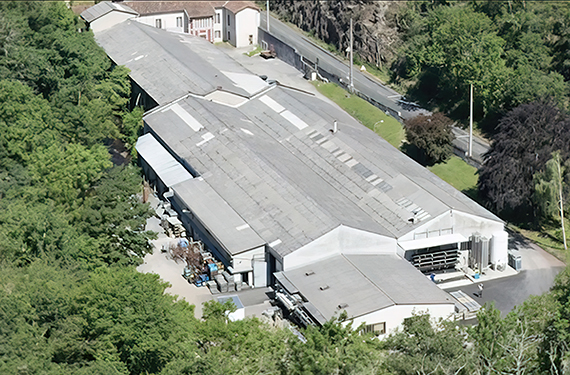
{"type": "Point", "coordinates": [471, 122]}
{"type": "Point", "coordinates": [267, 14]}
{"type": "Point", "coordinates": [351, 47]}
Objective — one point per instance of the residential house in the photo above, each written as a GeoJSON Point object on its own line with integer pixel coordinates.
{"type": "Point", "coordinates": [104, 15]}
{"type": "Point", "coordinates": [216, 21]}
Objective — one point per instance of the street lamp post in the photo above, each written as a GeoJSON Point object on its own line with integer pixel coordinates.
{"type": "Point", "coordinates": [471, 122]}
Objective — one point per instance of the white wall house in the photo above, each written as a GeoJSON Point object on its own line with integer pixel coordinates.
{"type": "Point", "coordinates": [174, 21]}
{"type": "Point", "coordinates": [247, 22]}
{"type": "Point", "coordinates": [105, 15]}
{"type": "Point", "coordinates": [235, 22]}
{"type": "Point", "coordinates": [239, 23]}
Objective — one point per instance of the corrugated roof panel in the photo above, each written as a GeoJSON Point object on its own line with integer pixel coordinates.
{"type": "Point", "coordinates": [168, 169]}
{"type": "Point", "coordinates": [221, 220]}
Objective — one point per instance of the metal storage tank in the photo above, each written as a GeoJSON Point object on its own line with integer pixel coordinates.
{"type": "Point", "coordinates": [498, 250]}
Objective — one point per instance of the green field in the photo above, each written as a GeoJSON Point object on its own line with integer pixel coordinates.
{"type": "Point", "coordinates": [384, 125]}
{"type": "Point", "coordinates": [458, 174]}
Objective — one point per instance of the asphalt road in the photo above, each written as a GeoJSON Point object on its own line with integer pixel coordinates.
{"type": "Point", "coordinates": [363, 82]}
{"type": "Point", "coordinates": [461, 141]}
{"type": "Point", "coordinates": [330, 63]}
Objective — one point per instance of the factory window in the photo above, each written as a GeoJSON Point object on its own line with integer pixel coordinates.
{"type": "Point", "coordinates": [229, 36]}
{"type": "Point", "coordinates": [178, 21]}
{"type": "Point", "coordinates": [228, 19]}
{"type": "Point", "coordinates": [159, 23]}
{"type": "Point", "coordinates": [218, 34]}
{"type": "Point", "coordinates": [376, 329]}
{"type": "Point", "coordinates": [218, 18]}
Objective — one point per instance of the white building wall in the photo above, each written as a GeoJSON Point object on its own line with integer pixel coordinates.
{"type": "Point", "coordinates": [247, 22]}
{"type": "Point", "coordinates": [342, 239]}
{"type": "Point", "coordinates": [218, 26]}
{"type": "Point", "coordinates": [394, 316]}
{"type": "Point", "coordinates": [243, 262]}
{"type": "Point", "coordinates": [202, 27]}
{"type": "Point", "coordinates": [168, 21]}
{"type": "Point", "coordinates": [109, 20]}
{"type": "Point", "coordinates": [452, 222]}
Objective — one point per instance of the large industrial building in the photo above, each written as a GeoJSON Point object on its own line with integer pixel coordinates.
{"type": "Point", "coordinates": [289, 190]}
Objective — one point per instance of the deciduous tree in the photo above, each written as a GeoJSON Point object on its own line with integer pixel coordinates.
{"type": "Point", "coordinates": [525, 140]}
{"type": "Point", "coordinates": [431, 135]}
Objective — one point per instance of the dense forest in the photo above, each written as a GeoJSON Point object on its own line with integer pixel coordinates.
{"type": "Point", "coordinates": [72, 232]}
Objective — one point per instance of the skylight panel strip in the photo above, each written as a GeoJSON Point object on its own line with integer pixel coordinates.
{"type": "Point", "coordinates": [300, 124]}
{"type": "Point", "coordinates": [186, 117]}
{"type": "Point", "coordinates": [272, 104]}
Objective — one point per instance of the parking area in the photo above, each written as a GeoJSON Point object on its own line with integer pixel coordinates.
{"type": "Point", "coordinates": [255, 301]}
{"type": "Point", "coordinates": [537, 275]}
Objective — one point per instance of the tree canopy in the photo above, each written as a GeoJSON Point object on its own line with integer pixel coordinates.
{"type": "Point", "coordinates": [524, 142]}
{"type": "Point", "coordinates": [431, 135]}
{"type": "Point", "coordinates": [512, 52]}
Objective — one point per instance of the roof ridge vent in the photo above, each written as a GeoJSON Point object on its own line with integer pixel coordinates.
{"type": "Point", "coordinates": [342, 306]}
{"type": "Point", "coordinates": [309, 273]}
{"type": "Point", "coordinates": [324, 287]}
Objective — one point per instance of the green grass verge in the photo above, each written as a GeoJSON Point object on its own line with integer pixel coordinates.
{"type": "Point", "coordinates": [254, 52]}
{"type": "Point", "coordinates": [456, 172]}
{"type": "Point", "coordinates": [373, 118]}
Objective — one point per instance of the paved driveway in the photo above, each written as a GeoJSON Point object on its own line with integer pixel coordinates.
{"type": "Point", "coordinates": [539, 269]}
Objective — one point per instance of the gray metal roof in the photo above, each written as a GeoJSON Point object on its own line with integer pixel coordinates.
{"type": "Point", "coordinates": [361, 284]}
{"type": "Point", "coordinates": [168, 169]}
{"type": "Point", "coordinates": [169, 65]}
{"type": "Point", "coordinates": [295, 181]}
{"type": "Point", "coordinates": [271, 156]}
{"type": "Point", "coordinates": [218, 217]}
{"type": "Point", "coordinates": [102, 8]}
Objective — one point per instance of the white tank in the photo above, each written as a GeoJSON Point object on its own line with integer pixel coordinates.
{"type": "Point", "coordinates": [499, 247]}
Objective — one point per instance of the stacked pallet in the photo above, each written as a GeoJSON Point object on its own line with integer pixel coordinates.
{"type": "Point", "coordinates": [213, 286]}
{"type": "Point", "coordinates": [230, 280]}
{"type": "Point", "coordinates": [222, 283]}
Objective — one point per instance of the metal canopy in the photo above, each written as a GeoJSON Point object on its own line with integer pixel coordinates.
{"type": "Point", "coordinates": [168, 169]}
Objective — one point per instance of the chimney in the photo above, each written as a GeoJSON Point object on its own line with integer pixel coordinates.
{"type": "Point", "coordinates": [335, 127]}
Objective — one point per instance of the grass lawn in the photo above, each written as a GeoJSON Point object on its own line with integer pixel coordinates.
{"type": "Point", "coordinates": [458, 174]}
{"type": "Point", "coordinates": [373, 118]}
